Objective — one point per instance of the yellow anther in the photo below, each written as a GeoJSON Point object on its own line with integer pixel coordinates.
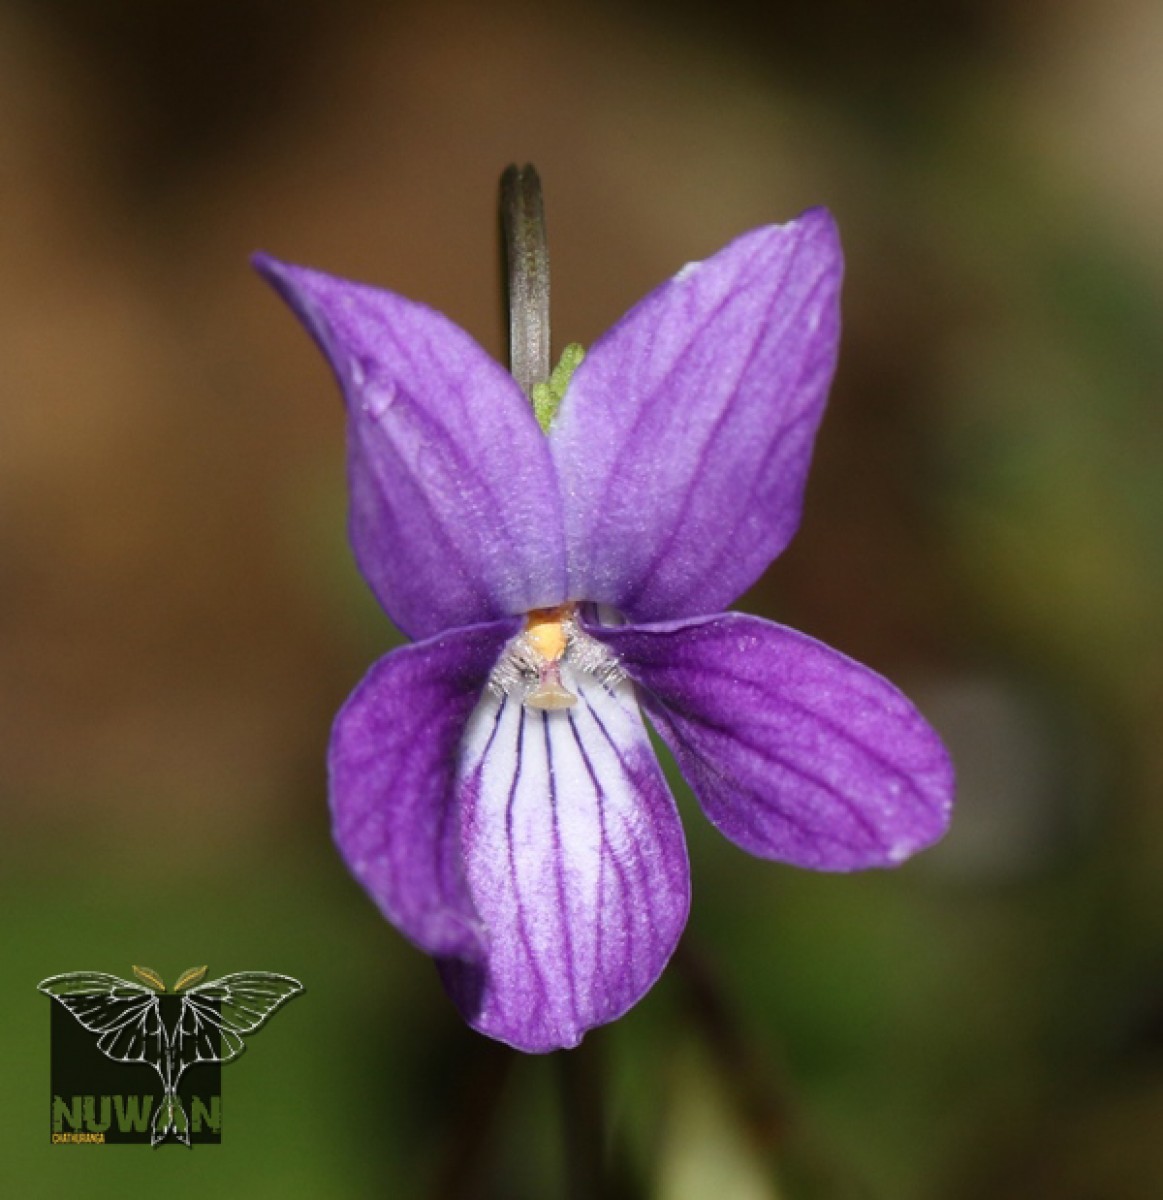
{"type": "Point", "coordinates": [545, 631]}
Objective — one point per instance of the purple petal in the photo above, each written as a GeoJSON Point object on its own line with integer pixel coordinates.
{"type": "Point", "coordinates": [455, 513]}
{"type": "Point", "coordinates": [577, 866]}
{"type": "Point", "coordinates": [393, 783]}
{"type": "Point", "coordinates": [795, 752]}
{"type": "Point", "coordinates": [684, 440]}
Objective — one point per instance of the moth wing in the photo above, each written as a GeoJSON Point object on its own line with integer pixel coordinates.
{"type": "Point", "coordinates": [215, 1015]}
{"type": "Point", "coordinates": [126, 1017]}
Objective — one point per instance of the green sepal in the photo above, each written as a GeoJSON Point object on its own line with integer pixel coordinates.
{"type": "Point", "coordinates": [547, 396]}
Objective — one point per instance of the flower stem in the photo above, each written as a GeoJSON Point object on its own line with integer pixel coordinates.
{"type": "Point", "coordinates": [583, 1123]}
{"type": "Point", "coordinates": [761, 1101]}
{"type": "Point", "coordinates": [473, 1110]}
{"type": "Point", "coordinates": [526, 275]}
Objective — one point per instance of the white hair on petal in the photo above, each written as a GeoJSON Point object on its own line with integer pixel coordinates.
{"type": "Point", "coordinates": [521, 666]}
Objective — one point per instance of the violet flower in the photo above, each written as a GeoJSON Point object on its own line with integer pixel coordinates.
{"type": "Point", "coordinates": [492, 784]}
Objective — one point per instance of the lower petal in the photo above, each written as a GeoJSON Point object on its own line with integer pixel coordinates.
{"type": "Point", "coordinates": [392, 765]}
{"type": "Point", "coordinates": [576, 864]}
{"type": "Point", "coordinates": [795, 752]}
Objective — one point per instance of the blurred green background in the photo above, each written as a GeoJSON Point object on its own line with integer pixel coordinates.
{"type": "Point", "coordinates": [179, 619]}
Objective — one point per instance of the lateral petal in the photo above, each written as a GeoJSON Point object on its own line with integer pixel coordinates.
{"type": "Point", "coordinates": [392, 765]}
{"type": "Point", "coordinates": [684, 439]}
{"type": "Point", "coordinates": [455, 515]}
{"type": "Point", "coordinates": [576, 863]}
{"type": "Point", "coordinates": [794, 751]}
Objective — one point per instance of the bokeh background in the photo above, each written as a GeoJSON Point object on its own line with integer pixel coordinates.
{"type": "Point", "coordinates": [179, 618]}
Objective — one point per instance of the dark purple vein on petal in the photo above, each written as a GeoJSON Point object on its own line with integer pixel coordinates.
{"type": "Point", "coordinates": [706, 450]}
{"type": "Point", "coordinates": [734, 734]}
{"type": "Point", "coordinates": [437, 523]}
{"type": "Point", "coordinates": [522, 923]}
{"type": "Point", "coordinates": [789, 818]}
{"type": "Point", "coordinates": [759, 696]}
{"type": "Point", "coordinates": [559, 874]}
{"type": "Point", "coordinates": [599, 795]}
{"type": "Point", "coordinates": [464, 465]}
{"type": "Point", "coordinates": [470, 785]}
{"type": "Point", "coordinates": [628, 827]}
{"type": "Point", "coordinates": [729, 546]}
{"type": "Point", "coordinates": [631, 436]}
{"type": "Point", "coordinates": [716, 432]}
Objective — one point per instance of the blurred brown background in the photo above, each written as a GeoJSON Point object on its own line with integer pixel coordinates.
{"type": "Point", "coordinates": [179, 619]}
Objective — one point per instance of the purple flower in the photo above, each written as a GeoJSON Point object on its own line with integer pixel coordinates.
{"type": "Point", "coordinates": [492, 784]}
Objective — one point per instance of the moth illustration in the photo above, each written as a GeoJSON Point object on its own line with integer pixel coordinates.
{"type": "Point", "coordinates": [195, 1022]}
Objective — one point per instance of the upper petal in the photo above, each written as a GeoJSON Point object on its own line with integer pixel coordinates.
{"type": "Point", "coordinates": [684, 439]}
{"type": "Point", "coordinates": [794, 751]}
{"type": "Point", "coordinates": [455, 512]}
{"type": "Point", "coordinates": [576, 864]}
{"type": "Point", "coordinates": [392, 766]}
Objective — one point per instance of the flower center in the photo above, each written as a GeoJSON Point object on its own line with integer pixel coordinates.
{"type": "Point", "coordinates": [546, 637]}
{"type": "Point", "coordinates": [549, 654]}
{"type": "Point", "coordinates": [545, 629]}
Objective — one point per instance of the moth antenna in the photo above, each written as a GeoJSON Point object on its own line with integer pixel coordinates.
{"type": "Point", "coordinates": [150, 976]}
{"type": "Point", "coordinates": [189, 978]}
